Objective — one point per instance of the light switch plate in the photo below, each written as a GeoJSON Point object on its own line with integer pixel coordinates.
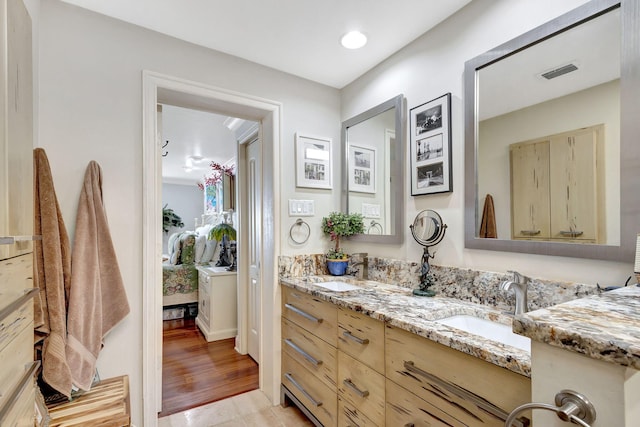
{"type": "Point", "coordinates": [301, 207]}
{"type": "Point", "coordinates": [370, 210]}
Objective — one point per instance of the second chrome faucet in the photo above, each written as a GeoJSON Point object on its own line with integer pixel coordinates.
{"type": "Point", "coordinates": [519, 284]}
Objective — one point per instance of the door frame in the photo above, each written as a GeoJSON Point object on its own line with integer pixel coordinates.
{"type": "Point", "coordinates": [159, 88]}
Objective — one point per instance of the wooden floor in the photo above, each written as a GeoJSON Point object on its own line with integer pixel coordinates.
{"type": "Point", "coordinates": [195, 372]}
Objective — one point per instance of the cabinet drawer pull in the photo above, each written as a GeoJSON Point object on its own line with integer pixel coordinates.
{"type": "Point", "coordinates": [13, 398]}
{"type": "Point", "coordinates": [570, 233]}
{"type": "Point", "coordinates": [28, 294]}
{"type": "Point", "coordinates": [529, 232]}
{"type": "Point", "coordinates": [409, 425]}
{"type": "Point", "coordinates": [462, 393]}
{"type": "Point", "coordinates": [302, 390]}
{"type": "Point", "coordinates": [303, 353]}
{"type": "Point", "coordinates": [303, 313]}
{"type": "Point", "coordinates": [10, 240]}
{"type": "Point", "coordinates": [355, 389]}
{"type": "Point", "coordinates": [361, 341]}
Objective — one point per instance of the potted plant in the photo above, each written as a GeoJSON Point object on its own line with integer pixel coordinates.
{"type": "Point", "coordinates": [337, 225]}
{"type": "Point", "coordinates": [170, 219]}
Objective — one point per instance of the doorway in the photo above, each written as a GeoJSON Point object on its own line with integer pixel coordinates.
{"type": "Point", "coordinates": [159, 88]}
{"type": "Point", "coordinates": [200, 364]}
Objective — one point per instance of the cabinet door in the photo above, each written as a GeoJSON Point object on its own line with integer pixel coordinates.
{"type": "Point", "coordinates": [530, 190]}
{"type": "Point", "coordinates": [16, 127]}
{"type": "Point", "coordinates": [361, 337]}
{"type": "Point", "coordinates": [319, 399]}
{"type": "Point", "coordinates": [407, 409]}
{"type": "Point", "coordinates": [361, 388]}
{"type": "Point", "coordinates": [574, 190]}
{"type": "Point", "coordinates": [204, 300]}
{"type": "Point", "coordinates": [317, 356]}
{"type": "Point", "coordinates": [475, 392]}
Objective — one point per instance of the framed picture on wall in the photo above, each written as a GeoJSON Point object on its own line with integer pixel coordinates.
{"type": "Point", "coordinates": [430, 130]}
{"type": "Point", "coordinates": [211, 199]}
{"type": "Point", "coordinates": [362, 169]}
{"type": "Point", "coordinates": [313, 162]}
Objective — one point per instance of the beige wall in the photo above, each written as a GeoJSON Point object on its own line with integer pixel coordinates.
{"type": "Point", "coordinates": [598, 105]}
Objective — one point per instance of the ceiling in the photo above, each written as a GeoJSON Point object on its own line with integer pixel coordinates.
{"type": "Point", "coordinates": [300, 37]}
{"type": "Point", "coordinates": [199, 134]}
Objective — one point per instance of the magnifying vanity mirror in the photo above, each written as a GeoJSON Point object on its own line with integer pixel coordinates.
{"type": "Point", "coordinates": [551, 134]}
{"type": "Point", "coordinates": [428, 230]}
{"type": "Point", "coordinates": [372, 171]}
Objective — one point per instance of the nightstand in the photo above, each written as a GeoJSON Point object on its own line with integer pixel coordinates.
{"type": "Point", "coordinates": [217, 303]}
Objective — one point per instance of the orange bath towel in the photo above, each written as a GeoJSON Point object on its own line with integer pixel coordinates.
{"type": "Point", "coordinates": [97, 298]}
{"type": "Point", "coordinates": [488, 224]}
{"type": "Point", "coordinates": [52, 274]}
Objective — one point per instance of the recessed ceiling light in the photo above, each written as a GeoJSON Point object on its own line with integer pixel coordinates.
{"type": "Point", "coordinates": [353, 40]}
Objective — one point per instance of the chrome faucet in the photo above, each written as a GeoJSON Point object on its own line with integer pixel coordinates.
{"type": "Point", "coordinates": [519, 285]}
{"type": "Point", "coordinates": [363, 271]}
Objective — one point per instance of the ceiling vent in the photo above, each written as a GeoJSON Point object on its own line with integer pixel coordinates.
{"type": "Point", "coordinates": [557, 72]}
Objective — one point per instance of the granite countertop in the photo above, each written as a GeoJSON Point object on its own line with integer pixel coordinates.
{"type": "Point", "coordinates": [397, 306]}
{"type": "Point", "coordinates": [603, 327]}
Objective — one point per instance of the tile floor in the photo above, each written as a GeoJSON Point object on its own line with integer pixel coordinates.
{"type": "Point", "coordinates": [251, 409]}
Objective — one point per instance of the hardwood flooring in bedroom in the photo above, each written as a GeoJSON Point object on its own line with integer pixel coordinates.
{"type": "Point", "coordinates": [195, 372]}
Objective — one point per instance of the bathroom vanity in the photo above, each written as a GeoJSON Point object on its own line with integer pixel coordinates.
{"type": "Point", "coordinates": [377, 355]}
{"type": "Point", "coordinates": [590, 345]}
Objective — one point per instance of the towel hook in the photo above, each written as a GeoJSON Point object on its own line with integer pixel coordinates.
{"type": "Point", "coordinates": [571, 406]}
{"type": "Point", "coordinates": [300, 223]}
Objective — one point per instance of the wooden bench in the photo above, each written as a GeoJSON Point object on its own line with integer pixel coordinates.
{"type": "Point", "coordinates": [105, 405]}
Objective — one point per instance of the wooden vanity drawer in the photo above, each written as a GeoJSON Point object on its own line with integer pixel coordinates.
{"type": "Point", "coordinates": [406, 409]}
{"type": "Point", "coordinates": [316, 316]}
{"type": "Point", "coordinates": [13, 358]}
{"type": "Point", "coordinates": [311, 352]}
{"type": "Point", "coordinates": [319, 399]}
{"type": "Point", "coordinates": [350, 416]}
{"type": "Point", "coordinates": [463, 386]}
{"type": "Point", "coordinates": [21, 413]}
{"type": "Point", "coordinates": [361, 337]}
{"type": "Point", "coordinates": [361, 387]}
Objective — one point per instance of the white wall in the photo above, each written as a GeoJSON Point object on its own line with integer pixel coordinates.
{"type": "Point", "coordinates": [187, 201]}
{"type": "Point", "coordinates": [432, 66]}
{"type": "Point", "coordinates": [90, 87]}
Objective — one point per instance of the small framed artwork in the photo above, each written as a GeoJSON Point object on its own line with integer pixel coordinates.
{"type": "Point", "coordinates": [430, 130]}
{"type": "Point", "coordinates": [211, 199]}
{"type": "Point", "coordinates": [313, 162]}
{"type": "Point", "coordinates": [362, 169]}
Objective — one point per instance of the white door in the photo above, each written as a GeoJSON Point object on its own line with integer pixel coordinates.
{"type": "Point", "coordinates": [255, 217]}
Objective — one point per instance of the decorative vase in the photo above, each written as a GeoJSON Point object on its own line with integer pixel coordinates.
{"type": "Point", "coordinates": [337, 267]}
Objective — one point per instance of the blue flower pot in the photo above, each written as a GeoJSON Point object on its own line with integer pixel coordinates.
{"type": "Point", "coordinates": [337, 267]}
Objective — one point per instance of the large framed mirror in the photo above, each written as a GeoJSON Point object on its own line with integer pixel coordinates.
{"type": "Point", "coordinates": [551, 134]}
{"type": "Point", "coordinates": [373, 146]}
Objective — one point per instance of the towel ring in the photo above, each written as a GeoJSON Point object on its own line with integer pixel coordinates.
{"type": "Point", "coordinates": [300, 223]}
{"type": "Point", "coordinates": [374, 226]}
{"type": "Point", "coordinates": [570, 406]}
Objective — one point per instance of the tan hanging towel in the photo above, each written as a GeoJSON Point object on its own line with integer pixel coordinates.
{"type": "Point", "coordinates": [97, 298]}
{"type": "Point", "coordinates": [52, 274]}
{"type": "Point", "coordinates": [488, 224]}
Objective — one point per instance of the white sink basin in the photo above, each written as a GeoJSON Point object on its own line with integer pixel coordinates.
{"type": "Point", "coordinates": [486, 328]}
{"type": "Point", "coordinates": [337, 286]}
